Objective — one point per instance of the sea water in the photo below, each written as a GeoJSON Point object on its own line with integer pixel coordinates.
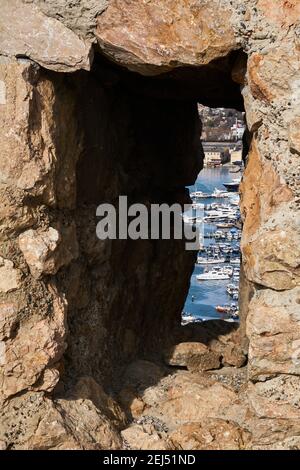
{"type": "Point", "coordinates": [204, 296]}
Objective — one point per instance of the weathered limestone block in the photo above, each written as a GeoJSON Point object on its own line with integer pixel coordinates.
{"type": "Point", "coordinates": [145, 437]}
{"type": "Point", "coordinates": [131, 403]}
{"type": "Point", "coordinates": [152, 37]}
{"type": "Point", "coordinates": [8, 319]}
{"type": "Point", "coordinates": [265, 75]}
{"type": "Point", "coordinates": [207, 361]}
{"type": "Point", "coordinates": [273, 324]}
{"type": "Point", "coordinates": [194, 356]}
{"type": "Point", "coordinates": [278, 397]}
{"type": "Point", "coordinates": [80, 16]}
{"type": "Point", "coordinates": [46, 251]}
{"type": "Point", "coordinates": [272, 253]}
{"type": "Point", "coordinates": [37, 158]}
{"type": "Point", "coordinates": [88, 389]}
{"type": "Point", "coordinates": [262, 191]}
{"type": "Point", "coordinates": [274, 434]}
{"type": "Point", "coordinates": [26, 32]}
{"type": "Point", "coordinates": [34, 422]}
{"type": "Point", "coordinates": [179, 354]}
{"type": "Point", "coordinates": [192, 399]}
{"type": "Point", "coordinates": [233, 356]}
{"type": "Point", "coordinates": [271, 235]}
{"type": "Point", "coordinates": [9, 276]}
{"type": "Point", "coordinates": [209, 434]}
{"type": "Point", "coordinates": [284, 15]}
{"type": "Point", "coordinates": [39, 343]}
{"type": "Point", "coordinates": [82, 426]}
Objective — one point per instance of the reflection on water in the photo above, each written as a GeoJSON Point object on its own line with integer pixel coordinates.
{"type": "Point", "coordinates": [204, 296]}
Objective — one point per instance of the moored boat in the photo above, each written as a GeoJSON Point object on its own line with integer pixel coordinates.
{"type": "Point", "coordinates": [213, 275]}
{"type": "Point", "coordinates": [207, 260]}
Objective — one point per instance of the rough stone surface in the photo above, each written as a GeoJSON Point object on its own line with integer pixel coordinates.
{"type": "Point", "coordinates": [80, 15]}
{"type": "Point", "coordinates": [71, 141]}
{"type": "Point", "coordinates": [26, 32]}
{"type": "Point", "coordinates": [46, 251]}
{"type": "Point", "coordinates": [9, 276]}
{"type": "Point", "coordinates": [37, 344]}
{"type": "Point", "coordinates": [274, 333]}
{"type": "Point", "coordinates": [153, 37]}
{"type": "Point", "coordinates": [210, 434]}
{"type": "Point", "coordinates": [68, 424]}
{"type": "Point", "coordinates": [145, 437]}
{"type": "Point", "coordinates": [180, 354]}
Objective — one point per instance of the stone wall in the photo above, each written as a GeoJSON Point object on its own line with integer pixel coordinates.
{"type": "Point", "coordinates": [76, 131]}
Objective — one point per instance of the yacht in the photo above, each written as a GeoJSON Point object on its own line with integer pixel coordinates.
{"type": "Point", "coordinates": [228, 270]}
{"type": "Point", "coordinates": [219, 234]}
{"type": "Point", "coordinates": [224, 225]}
{"type": "Point", "coordinates": [220, 193]}
{"type": "Point", "coordinates": [187, 318]}
{"type": "Point", "coordinates": [207, 260]}
{"type": "Point", "coordinates": [197, 206]}
{"type": "Point", "coordinates": [213, 275]}
{"type": "Point", "coordinates": [236, 272]}
{"type": "Point", "coordinates": [199, 194]}
{"type": "Point", "coordinates": [233, 187]}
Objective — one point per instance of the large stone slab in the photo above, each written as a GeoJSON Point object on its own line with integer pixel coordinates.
{"type": "Point", "coordinates": [26, 32]}
{"type": "Point", "coordinates": [273, 324]}
{"type": "Point", "coordinates": [156, 36]}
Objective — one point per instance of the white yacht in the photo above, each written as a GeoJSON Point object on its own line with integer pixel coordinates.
{"type": "Point", "coordinates": [206, 260]}
{"type": "Point", "coordinates": [199, 194]}
{"type": "Point", "coordinates": [220, 193]}
{"type": "Point", "coordinates": [227, 270]}
{"type": "Point", "coordinates": [213, 275]}
{"type": "Point", "coordinates": [236, 272]}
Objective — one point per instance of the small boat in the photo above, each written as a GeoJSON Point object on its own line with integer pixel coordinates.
{"type": "Point", "coordinates": [227, 270]}
{"type": "Point", "coordinates": [224, 225]}
{"type": "Point", "coordinates": [213, 275]}
{"type": "Point", "coordinates": [223, 308]}
{"type": "Point", "coordinates": [235, 315]}
{"type": "Point", "coordinates": [199, 195]}
{"type": "Point", "coordinates": [231, 309]}
{"type": "Point", "coordinates": [232, 289]}
{"type": "Point", "coordinates": [236, 272]}
{"type": "Point", "coordinates": [226, 250]}
{"type": "Point", "coordinates": [187, 318]}
{"type": "Point", "coordinates": [219, 193]}
{"type": "Point", "coordinates": [233, 187]}
{"type": "Point", "coordinates": [235, 261]}
{"type": "Point", "coordinates": [197, 206]}
{"type": "Point", "coordinates": [217, 260]}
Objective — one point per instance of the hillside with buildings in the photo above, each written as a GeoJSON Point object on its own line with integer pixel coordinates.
{"type": "Point", "coordinates": [222, 134]}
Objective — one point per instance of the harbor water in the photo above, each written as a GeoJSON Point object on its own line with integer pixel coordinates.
{"type": "Point", "coordinates": [204, 296]}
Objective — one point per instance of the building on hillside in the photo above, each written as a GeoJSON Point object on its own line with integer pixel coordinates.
{"type": "Point", "coordinates": [237, 131]}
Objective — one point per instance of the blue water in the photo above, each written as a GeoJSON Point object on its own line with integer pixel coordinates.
{"type": "Point", "coordinates": [208, 294]}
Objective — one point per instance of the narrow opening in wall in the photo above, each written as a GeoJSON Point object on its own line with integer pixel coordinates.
{"type": "Point", "coordinates": [214, 286]}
